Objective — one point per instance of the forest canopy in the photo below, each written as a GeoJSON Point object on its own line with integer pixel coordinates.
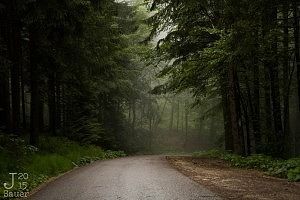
{"type": "Point", "coordinates": [153, 75]}
{"type": "Point", "coordinates": [244, 52]}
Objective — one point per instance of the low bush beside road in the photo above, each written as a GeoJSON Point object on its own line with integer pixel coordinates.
{"type": "Point", "coordinates": [289, 169]}
{"type": "Point", "coordinates": [54, 156]}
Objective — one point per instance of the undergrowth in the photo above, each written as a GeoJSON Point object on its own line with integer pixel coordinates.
{"type": "Point", "coordinates": [55, 155]}
{"type": "Point", "coordinates": [288, 169]}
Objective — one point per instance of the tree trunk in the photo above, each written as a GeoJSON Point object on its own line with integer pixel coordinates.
{"type": "Point", "coordinates": [142, 105]}
{"type": "Point", "coordinates": [5, 119]}
{"type": "Point", "coordinates": [297, 46]}
{"type": "Point", "coordinates": [234, 107]}
{"type": "Point", "coordinates": [24, 121]}
{"type": "Point", "coordinates": [51, 103]}
{"type": "Point", "coordinates": [186, 126]}
{"type": "Point", "coordinates": [58, 103]}
{"type": "Point", "coordinates": [249, 118]}
{"type": "Point", "coordinates": [286, 79]}
{"type": "Point", "coordinates": [133, 115]}
{"type": "Point", "coordinates": [15, 54]}
{"type": "Point", "coordinates": [129, 111]}
{"type": "Point", "coordinates": [271, 74]}
{"type": "Point", "coordinates": [275, 91]}
{"type": "Point", "coordinates": [172, 116]}
{"type": "Point", "coordinates": [178, 113]}
{"type": "Point", "coordinates": [41, 116]}
{"type": "Point", "coordinates": [35, 96]}
{"type": "Point", "coordinates": [226, 118]}
{"type": "Point", "coordinates": [64, 107]}
{"type": "Point", "coordinates": [256, 102]}
{"type": "Point", "coordinates": [267, 98]}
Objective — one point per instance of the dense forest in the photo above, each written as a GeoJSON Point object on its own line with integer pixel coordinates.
{"type": "Point", "coordinates": [85, 80]}
{"type": "Point", "coordinates": [70, 68]}
{"type": "Point", "coordinates": [246, 53]}
{"type": "Point", "coordinates": [135, 75]}
{"type": "Point", "coordinates": [84, 70]}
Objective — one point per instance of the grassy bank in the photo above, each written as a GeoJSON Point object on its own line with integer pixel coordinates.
{"type": "Point", "coordinates": [53, 157]}
{"type": "Point", "coordinates": [289, 169]}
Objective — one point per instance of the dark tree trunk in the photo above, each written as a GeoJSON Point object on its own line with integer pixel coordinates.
{"type": "Point", "coordinates": [142, 105]}
{"type": "Point", "coordinates": [5, 108]}
{"type": "Point", "coordinates": [51, 103]}
{"type": "Point", "coordinates": [186, 126]}
{"type": "Point", "coordinates": [249, 118]}
{"type": "Point", "coordinates": [297, 46]}
{"type": "Point", "coordinates": [15, 54]}
{"type": "Point", "coordinates": [58, 103]}
{"type": "Point", "coordinates": [256, 103]}
{"type": "Point", "coordinates": [41, 116]}
{"type": "Point", "coordinates": [227, 121]}
{"type": "Point", "coordinates": [275, 91]}
{"type": "Point", "coordinates": [172, 116]}
{"type": "Point", "coordinates": [267, 98]}
{"type": "Point", "coordinates": [24, 121]}
{"type": "Point", "coordinates": [182, 120]}
{"type": "Point", "coordinates": [271, 86]}
{"type": "Point", "coordinates": [129, 112]}
{"type": "Point", "coordinates": [286, 79]}
{"type": "Point", "coordinates": [34, 83]}
{"type": "Point", "coordinates": [5, 119]}
{"type": "Point", "coordinates": [234, 107]}
{"type": "Point", "coordinates": [178, 113]}
{"type": "Point", "coordinates": [133, 115]}
{"type": "Point", "coordinates": [63, 107]}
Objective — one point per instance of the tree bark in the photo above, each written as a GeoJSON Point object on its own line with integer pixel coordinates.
{"type": "Point", "coordinates": [133, 115]}
{"type": "Point", "coordinates": [275, 91]}
{"type": "Point", "coordinates": [234, 107]}
{"type": "Point", "coordinates": [5, 119]}
{"type": "Point", "coordinates": [172, 116]}
{"type": "Point", "coordinates": [34, 83]}
{"type": "Point", "coordinates": [286, 79]}
{"type": "Point", "coordinates": [15, 55]}
{"type": "Point", "coordinates": [5, 108]}
{"type": "Point", "coordinates": [58, 103]}
{"type": "Point", "coordinates": [297, 45]}
{"type": "Point", "coordinates": [178, 113]}
{"type": "Point", "coordinates": [41, 115]}
{"type": "Point", "coordinates": [267, 99]}
{"type": "Point", "coordinates": [186, 126]}
{"type": "Point", "coordinates": [256, 102]}
{"type": "Point", "coordinates": [23, 99]}
{"type": "Point", "coordinates": [226, 118]}
{"type": "Point", "coordinates": [271, 76]}
{"type": "Point", "coordinates": [51, 103]}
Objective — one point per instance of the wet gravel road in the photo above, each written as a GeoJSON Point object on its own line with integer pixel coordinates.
{"type": "Point", "coordinates": [130, 178]}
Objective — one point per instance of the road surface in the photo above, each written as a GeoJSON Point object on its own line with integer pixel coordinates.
{"type": "Point", "coordinates": [130, 178]}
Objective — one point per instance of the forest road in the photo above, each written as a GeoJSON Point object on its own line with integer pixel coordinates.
{"type": "Point", "coordinates": [129, 178]}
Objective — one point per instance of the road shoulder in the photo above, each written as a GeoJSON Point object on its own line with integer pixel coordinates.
{"type": "Point", "coordinates": [234, 183]}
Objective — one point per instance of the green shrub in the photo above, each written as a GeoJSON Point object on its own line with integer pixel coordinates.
{"type": "Point", "coordinates": [50, 164]}
{"type": "Point", "coordinates": [114, 154]}
{"type": "Point", "coordinates": [54, 155]}
{"type": "Point", "coordinates": [289, 169]}
{"type": "Point", "coordinates": [294, 174]}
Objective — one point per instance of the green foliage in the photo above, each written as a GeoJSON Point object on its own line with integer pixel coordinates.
{"type": "Point", "coordinates": [54, 156]}
{"type": "Point", "coordinates": [48, 164]}
{"type": "Point", "coordinates": [294, 174]}
{"type": "Point", "coordinates": [114, 154]}
{"type": "Point", "coordinates": [203, 42]}
{"type": "Point", "coordinates": [280, 168]}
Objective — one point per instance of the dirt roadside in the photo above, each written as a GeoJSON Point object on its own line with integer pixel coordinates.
{"type": "Point", "coordinates": [235, 183]}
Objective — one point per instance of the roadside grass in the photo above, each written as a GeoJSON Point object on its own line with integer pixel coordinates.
{"type": "Point", "coordinates": [288, 169]}
{"type": "Point", "coordinates": [55, 155]}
